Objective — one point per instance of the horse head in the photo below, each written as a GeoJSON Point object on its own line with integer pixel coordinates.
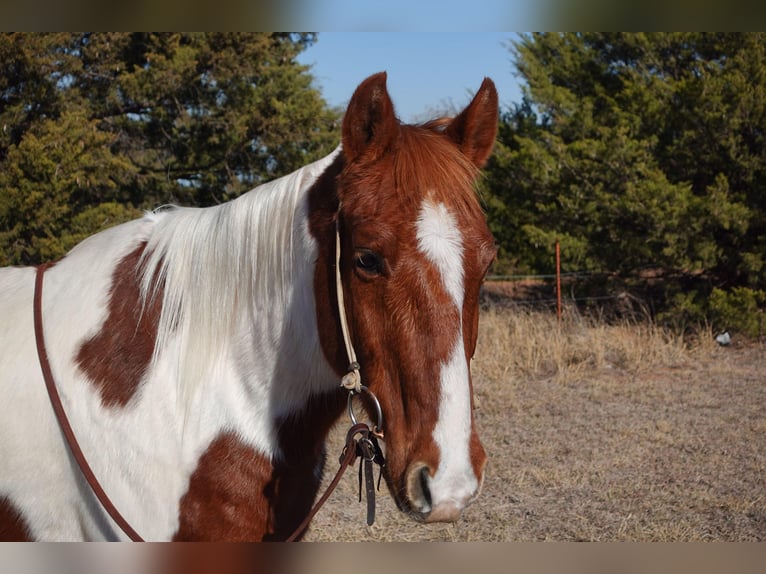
{"type": "Point", "coordinates": [415, 247]}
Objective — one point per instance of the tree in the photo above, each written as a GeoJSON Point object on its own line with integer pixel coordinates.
{"type": "Point", "coordinates": [639, 152]}
{"type": "Point", "coordinates": [97, 126]}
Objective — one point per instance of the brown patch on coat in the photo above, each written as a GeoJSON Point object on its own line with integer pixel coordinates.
{"type": "Point", "coordinates": [13, 527]}
{"type": "Point", "coordinates": [323, 205]}
{"type": "Point", "coordinates": [237, 494]}
{"type": "Point", "coordinates": [117, 357]}
{"type": "Point", "coordinates": [228, 494]}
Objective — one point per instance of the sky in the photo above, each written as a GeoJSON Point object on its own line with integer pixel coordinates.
{"type": "Point", "coordinates": [429, 73]}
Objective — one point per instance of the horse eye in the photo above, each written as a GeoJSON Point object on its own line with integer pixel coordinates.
{"type": "Point", "coordinates": [369, 262]}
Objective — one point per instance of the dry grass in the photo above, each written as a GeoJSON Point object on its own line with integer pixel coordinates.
{"type": "Point", "coordinates": [598, 432]}
{"type": "Point", "coordinates": [517, 342]}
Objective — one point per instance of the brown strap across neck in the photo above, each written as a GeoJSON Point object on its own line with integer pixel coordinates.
{"type": "Point", "coordinates": [61, 416]}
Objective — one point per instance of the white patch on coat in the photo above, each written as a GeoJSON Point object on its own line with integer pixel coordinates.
{"type": "Point", "coordinates": [440, 239]}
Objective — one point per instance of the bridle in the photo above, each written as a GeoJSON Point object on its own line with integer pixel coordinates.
{"type": "Point", "coordinates": [361, 440]}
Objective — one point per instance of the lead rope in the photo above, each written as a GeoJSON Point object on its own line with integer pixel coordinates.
{"type": "Point", "coordinates": [352, 380]}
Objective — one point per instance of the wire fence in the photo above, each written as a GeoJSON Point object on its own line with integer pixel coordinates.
{"type": "Point", "coordinates": [575, 274]}
{"type": "Point", "coordinates": [545, 282]}
{"type": "Point", "coordinates": [542, 282]}
{"type": "Point", "coordinates": [604, 291]}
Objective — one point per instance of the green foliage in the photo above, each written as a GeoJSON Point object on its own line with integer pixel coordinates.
{"type": "Point", "coordinates": [96, 127]}
{"type": "Point", "coordinates": [740, 309]}
{"type": "Point", "coordinates": [60, 170]}
{"type": "Point", "coordinates": [639, 152]}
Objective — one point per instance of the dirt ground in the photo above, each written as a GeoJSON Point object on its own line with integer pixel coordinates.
{"type": "Point", "coordinates": [667, 451]}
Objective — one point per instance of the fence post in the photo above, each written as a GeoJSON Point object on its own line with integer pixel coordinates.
{"type": "Point", "coordinates": [558, 281]}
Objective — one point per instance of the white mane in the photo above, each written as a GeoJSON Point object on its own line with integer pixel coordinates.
{"type": "Point", "coordinates": [219, 264]}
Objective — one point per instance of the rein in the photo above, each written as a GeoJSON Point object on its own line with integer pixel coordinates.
{"type": "Point", "coordinates": [365, 446]}
{"type": "Point", "coordinates": [63, 420]}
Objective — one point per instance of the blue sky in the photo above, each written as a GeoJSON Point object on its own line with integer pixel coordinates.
{"type": "Point", "coordinates": [428, 72]}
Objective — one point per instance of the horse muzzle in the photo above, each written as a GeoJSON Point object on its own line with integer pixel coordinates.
{"type": "Point", "coordinates": [432, 498]}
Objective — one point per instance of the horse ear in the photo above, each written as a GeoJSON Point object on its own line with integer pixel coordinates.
{"type": "Point", "coordinates": [475, 128]}
{"type": "Point", "coordinates": [370, 122]}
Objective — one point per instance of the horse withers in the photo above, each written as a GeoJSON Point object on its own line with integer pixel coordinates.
{"type": "Point", "coordinates": [198, 352]}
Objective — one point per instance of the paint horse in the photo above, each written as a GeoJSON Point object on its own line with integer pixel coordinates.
{"type": "Point", "coordinates": [197, 352]}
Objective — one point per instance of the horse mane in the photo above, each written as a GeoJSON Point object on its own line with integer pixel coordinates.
{"type": "Point", "coordinates": [428, 161]}
{"type": "Point", "coordinates": [213, 266]}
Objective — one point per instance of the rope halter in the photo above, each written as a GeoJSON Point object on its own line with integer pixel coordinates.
{"type": "Point", "coordinates": [352, 380]}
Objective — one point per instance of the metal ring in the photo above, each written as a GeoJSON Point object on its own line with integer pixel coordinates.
{"type": "Point", "coordinates": [378, 412]}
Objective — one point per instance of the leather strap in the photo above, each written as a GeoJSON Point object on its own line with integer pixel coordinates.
{"type": "Point", "coordinates": [370, 453]}
{"type": "Point", "coordinates": [61, 416]}
{"type": "Point", "coordinates": [350, 452]}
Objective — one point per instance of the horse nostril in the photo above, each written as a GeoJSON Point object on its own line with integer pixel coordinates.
{"type": "Point", "coordinates": [425, 490]}
{"type": "Point", "coordinates": [419, 488]}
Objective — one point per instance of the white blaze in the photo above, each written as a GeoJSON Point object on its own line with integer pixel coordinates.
{"type": "Point", "coordinates": [442, 243]}
{"type": "Point", "coordinates": [439, 238]}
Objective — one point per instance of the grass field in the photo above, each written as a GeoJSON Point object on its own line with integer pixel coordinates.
{"type": "Point", "coordinates": [597, 432]}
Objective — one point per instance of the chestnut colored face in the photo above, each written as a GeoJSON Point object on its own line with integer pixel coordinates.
{"type": "Point", "coordinates": [415, 248]}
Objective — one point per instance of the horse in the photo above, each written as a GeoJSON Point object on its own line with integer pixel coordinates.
{"type": "Point", "coordinates": [197, 352]}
